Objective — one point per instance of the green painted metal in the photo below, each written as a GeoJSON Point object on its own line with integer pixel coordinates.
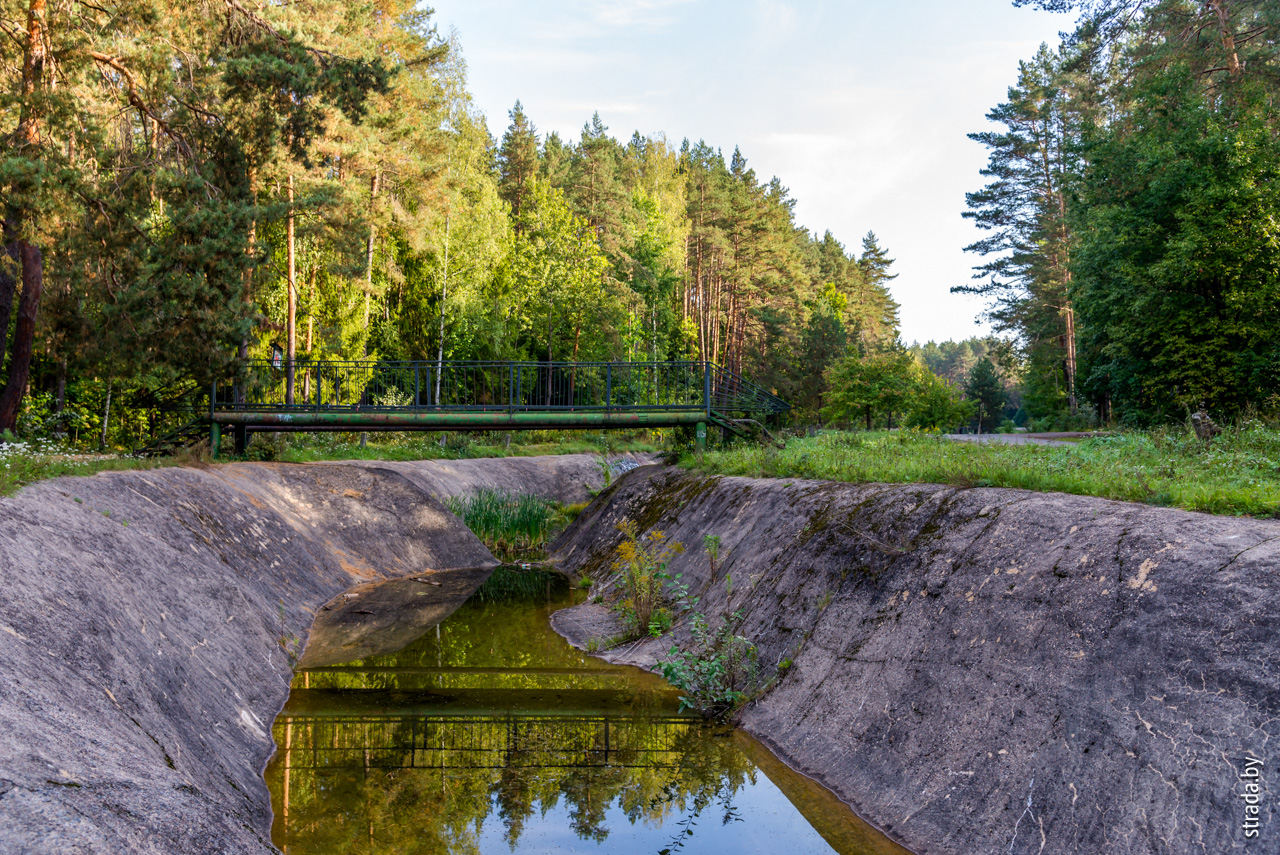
{"type": "Point", "coordinates": [460, 396]}
{"type": "Point", "coordinates": [443, 420]}
{"type": "Point", "coordinates": [215, 439]}
{"type": "Point", "coordinates": [702, 436]}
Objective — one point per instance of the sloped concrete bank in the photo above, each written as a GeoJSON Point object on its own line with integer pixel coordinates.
{"type": "Point", "coordinates": [983, 670]}
{"type": "Point", "coordinates": [148, 622]}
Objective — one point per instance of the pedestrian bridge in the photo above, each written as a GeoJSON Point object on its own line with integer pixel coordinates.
{"type": "Point", "coordinates": [459, 396]}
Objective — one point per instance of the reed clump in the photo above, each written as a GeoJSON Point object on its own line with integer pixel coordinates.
{"type": "Point", "coordinates": [512, 525]}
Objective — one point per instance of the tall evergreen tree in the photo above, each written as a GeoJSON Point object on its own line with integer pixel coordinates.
{"type": "Point", "coordinates": [518, 162]}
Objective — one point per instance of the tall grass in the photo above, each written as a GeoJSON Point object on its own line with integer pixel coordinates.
{"type": "Point", "coordinates": [512, 525]}
{"type": "Point", "coordinates": [1235, 473]}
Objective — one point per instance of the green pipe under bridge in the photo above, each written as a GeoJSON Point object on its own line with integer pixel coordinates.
{"type": "Point", "coordinates": [274, 395]}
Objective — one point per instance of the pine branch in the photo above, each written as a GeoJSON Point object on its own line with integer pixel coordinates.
{"type": "Point", "coordinates": [324, 57]}
{"type": "Point", "coordinates": [136, 101]}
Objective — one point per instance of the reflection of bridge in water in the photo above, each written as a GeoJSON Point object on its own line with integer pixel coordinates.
{"type": "Point", "coordinates": [514, 741]}
{"type": "Point", "coordinates": [416, 396]}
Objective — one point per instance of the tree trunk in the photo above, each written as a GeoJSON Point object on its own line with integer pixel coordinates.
{"type": "Point", "coordinates": [60, 391]}
{"type": "Point", "coordinates": [24, 333]}
{"type": "Point", "coordinates": [106, 419]}
{"type": "Point", "coordinates": [368, 253]}
{"type": "Point", "coordinates": [868, 417]}
{"type": "Point", "coordinates": [27, 137]}
{"type": "Point", "coordinates": [10, 270]}
{"type": "Point", "coordinates": [550, 310]}
{"type": "Point", "coordinates": [1071, 356]}
{"type": "Point", "coordinates": [1228, 35]}
{"type": "Point", "coordinates": [444, 296]}
{"type": "Point", "coordinates": [311, 328]}
{"type": "Point", "coordinates": [291, 334]}
{"type": "Point", "coordinates": [243, 352]}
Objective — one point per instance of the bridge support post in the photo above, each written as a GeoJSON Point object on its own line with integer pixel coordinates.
{"type": "Point", "coordinates": [242, 439]}
{"type": "Point", "coordinates": [701, 437]}
{"type": "Point", "coordinates": [215, 439]}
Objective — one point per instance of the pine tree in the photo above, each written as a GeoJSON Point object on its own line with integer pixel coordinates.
{"type": "Point", "coordinates": [984, 388]}
{"type": "Point", "coordinates": [518, 162]}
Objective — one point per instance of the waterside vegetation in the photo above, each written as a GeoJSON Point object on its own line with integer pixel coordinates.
{"type": "Point", "coordinates": [512, 525]}
{"type": "Point", "coordinates": [1234, 473]}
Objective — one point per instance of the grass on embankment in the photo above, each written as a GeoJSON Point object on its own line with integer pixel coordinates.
{"type": "Point", "coordinates": [313, 448]}
{"type": "Point", "coordinates": [1235, 473]}
{"type": "Point", "coordinates": [23, 462]}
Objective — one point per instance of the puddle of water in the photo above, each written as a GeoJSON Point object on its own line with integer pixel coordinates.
{"type": "Point", "coordinates": [490, 734]}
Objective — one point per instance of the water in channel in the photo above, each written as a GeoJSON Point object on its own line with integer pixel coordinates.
{"type": "Point", "coordinates": [490, 734]}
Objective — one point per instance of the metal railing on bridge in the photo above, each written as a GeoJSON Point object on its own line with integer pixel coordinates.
{"type": "Point", "coordinates": [364, 386]}
{"type": "Point", "coordinates": [472, 742]}
{"type": "Point", "coordinates": [398, 396]}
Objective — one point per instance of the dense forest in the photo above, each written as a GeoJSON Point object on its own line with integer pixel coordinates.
{"type": "Point", "coordinates": [1131, 212]}
{"type": "Point", "coordinates": [318, 181]}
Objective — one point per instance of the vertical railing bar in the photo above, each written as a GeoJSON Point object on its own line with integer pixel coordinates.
{"type": "Point", "coordinates": [706, 386]}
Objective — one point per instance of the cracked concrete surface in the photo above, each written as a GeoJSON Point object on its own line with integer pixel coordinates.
{"type": "Point", "coordinates": [983, 671]}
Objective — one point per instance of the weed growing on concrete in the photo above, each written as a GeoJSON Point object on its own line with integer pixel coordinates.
{"type": "Point", "coordinates": [648, 590]}
{"type": "Point", "coordinates": [288, 640]}
{"type": "Point", "coordinates": [720, 670]}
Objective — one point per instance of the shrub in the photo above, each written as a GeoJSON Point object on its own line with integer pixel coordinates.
{"type": "Point", "coordinates": [720, 669]}
{"type": "Point", "coordinates": [641, 571]}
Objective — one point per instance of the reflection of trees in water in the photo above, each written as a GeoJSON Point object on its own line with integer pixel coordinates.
{"type": "Point", "coordinates": [414, 785]}
{"type": "Point", "coordinates": [573, 734]}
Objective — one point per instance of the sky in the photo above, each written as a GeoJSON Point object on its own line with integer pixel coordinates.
{"type": "Point", "coordinates": [860, 108]}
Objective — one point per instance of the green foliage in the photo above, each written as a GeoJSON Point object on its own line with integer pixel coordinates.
{"type": "Point", "coordinates": [266, 446]}
{"type": "Point", "coordinates": [646, 588]}
{"type": "Point", "coordinates": [866, 386]}
{"type": "Point", "coordinates": [720, 668]}
{"type": "Point", "coordinates": [1183, 235]}
{"type": "Point", "coordinates": [1232, 474]}
{"type": "Point", "coordinates": [984, 389]}
{"type": "Point", "coordinates": [938, 406]}
{"type": "Point", "coordinates": [512, 525]}
{"type": "Point", "coordinates": [322, 181]}
{"type": "Point", "coordinates": [1131, 211]}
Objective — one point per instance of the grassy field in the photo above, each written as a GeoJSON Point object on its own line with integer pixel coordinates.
{"type": "Point", "coordinates": [1236, 473]}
